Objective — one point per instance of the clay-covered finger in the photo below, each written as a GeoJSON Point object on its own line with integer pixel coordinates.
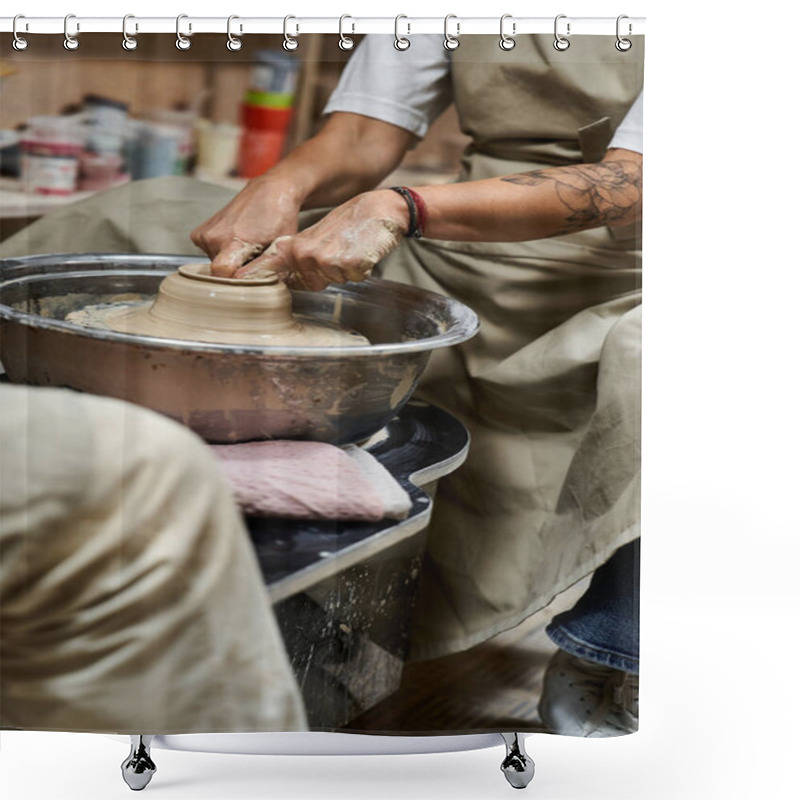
{"type": "Point", "coordinates": [235, 254]}
{"type": "Point", "coordinates": [358, 270]}
{"type": "Point", "coordinates": [261, 267]}
{"type": "Point", "coordinates": [277, 258]}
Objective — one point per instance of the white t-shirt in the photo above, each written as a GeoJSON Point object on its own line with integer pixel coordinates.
{"type": "Point", "coordinates": [411, 88]}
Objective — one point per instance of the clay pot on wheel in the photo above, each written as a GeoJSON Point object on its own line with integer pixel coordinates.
{"type": "Point", "coordinates": [195, 305]}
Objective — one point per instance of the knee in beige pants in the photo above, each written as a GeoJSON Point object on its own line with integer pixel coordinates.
{"type": "Point", "coordinates": [130, 593]}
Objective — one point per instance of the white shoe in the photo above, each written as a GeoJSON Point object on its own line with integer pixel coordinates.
{"type": "Point", "coordinates": [581, 698]}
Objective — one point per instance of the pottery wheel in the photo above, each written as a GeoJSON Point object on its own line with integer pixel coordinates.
{"type": "Point", "coordinates": [192, 304]}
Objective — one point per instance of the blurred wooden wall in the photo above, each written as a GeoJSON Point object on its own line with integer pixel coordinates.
{"type": "Point", "coordinates": [45, 79]}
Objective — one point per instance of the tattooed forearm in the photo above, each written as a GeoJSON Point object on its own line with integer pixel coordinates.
{"type": "Point", "coordinates": [607, 193]}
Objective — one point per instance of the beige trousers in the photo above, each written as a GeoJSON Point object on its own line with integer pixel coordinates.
{"type": "Point", "coordinates": [131, 599]}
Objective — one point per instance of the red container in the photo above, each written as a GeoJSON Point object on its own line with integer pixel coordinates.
{"type": "Point", "coordinates": [263, 138]}
{"type": "Point", "coordinates": [265, 118]}
{"type": "Point", "coordinates": [259, 151]}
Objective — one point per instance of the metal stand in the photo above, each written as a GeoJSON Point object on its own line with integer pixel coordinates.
{"type": "Point", "coordinates": [517, 766]}
{"type": "Point", "coordinates": [138, 768]}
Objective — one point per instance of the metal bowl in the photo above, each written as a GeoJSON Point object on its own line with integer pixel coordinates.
{"type": "Point", "coordinates": [225, 393]}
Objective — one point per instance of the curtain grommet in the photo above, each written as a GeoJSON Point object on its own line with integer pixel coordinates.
{"type": "Point", "coordinates": [182, 42]}
{"type": "Point", "coordinates": [234, 43]}
{"type": "Point", "coordinates": [623, 45]}
{"type": "Point", "coordinates": [129, 42]}
{"type": "Point", "coordinates": [560, 43]}
{"type": "Point", "coordinates": [20, 43]}
{"type": "Point", "coordinates": [345, 42]}
{"type": "Point", "coordinates": [401, 42]}
{"type": "Point", "coordinates": [290, 43]}
{"type": "Point", "coordinates": [507, 42]}
{"type": "Point", "coordinates": [71, 42]}
{"type": "Point", "coordinates": [451, 41]}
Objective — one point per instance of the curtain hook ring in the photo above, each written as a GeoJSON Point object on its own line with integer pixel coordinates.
{"type": "Point", "coordinates": [561, 43]}
{"type": "Point", "coordinates": [20, 42]}
{"type": "Point", "coordinates": [289, 42]}
{"type": "Point", "coordinates": [71, 42]}
{"type": "Point", "coordinates": [451, 41]}
{"type": "Point", "coordinates": [183, 42]}
{"type": "Point", "coordinates": [507, 42]}
{"type": "Point", "coordinates": [401, 42]}
{"type": "Point", "coordinates": [234, 42]}
{"type": "Point", "coordinates": [345, 42]}
{"type": "Point", "coordinates": [623, 45]}
{"type": "Point", "coordinates": [129, 42]}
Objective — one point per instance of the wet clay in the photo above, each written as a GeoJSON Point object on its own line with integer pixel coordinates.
{"type": "Point", "coordinates": [192, 304]}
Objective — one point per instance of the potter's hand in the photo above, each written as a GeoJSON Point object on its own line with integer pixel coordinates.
{"type": "Point", "coordinates": [264, 210]}
{"type": "Point", "coordinates": [343, 246]}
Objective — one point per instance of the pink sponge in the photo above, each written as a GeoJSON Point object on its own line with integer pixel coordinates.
{"type": "Point", "coordinates": [310, 480]}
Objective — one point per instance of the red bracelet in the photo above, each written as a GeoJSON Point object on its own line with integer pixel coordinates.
{"type": "Point", "coordinates": [422, 212]}
{"type": "Point", "coordinates": [417, 211]}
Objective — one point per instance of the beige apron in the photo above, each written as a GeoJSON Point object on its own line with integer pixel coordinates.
{"type": "Point", "coordinates": [550, 387]}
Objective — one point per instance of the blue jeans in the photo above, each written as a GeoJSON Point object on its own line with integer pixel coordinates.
{"type": "Point", "coordinates": [603, 626]}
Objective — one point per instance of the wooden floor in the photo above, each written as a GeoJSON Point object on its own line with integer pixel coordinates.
{"type": "Point", "coordinates": [493, 686]}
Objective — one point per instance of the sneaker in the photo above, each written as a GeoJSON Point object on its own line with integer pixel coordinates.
{"type": "Point", "coordinates": [582, 698]}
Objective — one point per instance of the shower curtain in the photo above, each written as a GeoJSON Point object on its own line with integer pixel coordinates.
{"type": "Point", "coordinates": [136, 594]}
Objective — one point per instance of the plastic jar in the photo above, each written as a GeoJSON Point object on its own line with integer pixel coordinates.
{"type": "Point", "coordinates": [100, 171]}
{"type": "Point", "coordinates": [254, 97]}
{"type": "Point", "coordinates": [107, 122]}
{"type": "Point", "coordinates": [183, 121]}
{"type": "Point", "coordinates": [51, 151]}
{"type": "Point", "coordinates": [275, 71]}
{"type": "Point", "coordinates": [263, 138]}
{"type": "Point", "coordinates": [217, 148]}
{"type": "Point", "coordinates": [159, 150]}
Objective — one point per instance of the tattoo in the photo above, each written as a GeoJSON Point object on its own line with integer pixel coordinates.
{"type": "Point", "coordinates": [606, 193]}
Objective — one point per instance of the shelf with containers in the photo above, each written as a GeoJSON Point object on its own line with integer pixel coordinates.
{"type": "Point", "coordinates": [105, 116]}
